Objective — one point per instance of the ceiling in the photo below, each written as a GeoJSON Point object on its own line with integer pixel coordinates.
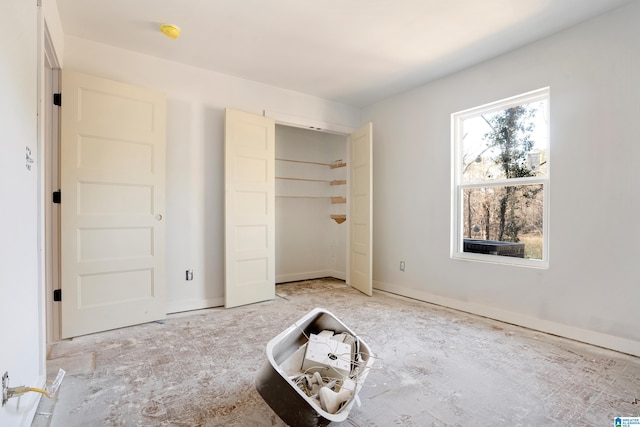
{"type": "Point", "coordinates": [352, 51]}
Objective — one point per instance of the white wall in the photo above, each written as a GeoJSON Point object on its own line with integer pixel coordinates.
{"type": "Point", "coordinates": [196, 100]}
{"type": "Point", "coordinates": [21, 286]}
{"type": "Point", "coordinates": [591, 290]}
{"type": "Point", "coordinates": [309, 244]}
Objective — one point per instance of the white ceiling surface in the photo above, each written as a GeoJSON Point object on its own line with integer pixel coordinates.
{"type": "Point", "coordinates": [352, 51]}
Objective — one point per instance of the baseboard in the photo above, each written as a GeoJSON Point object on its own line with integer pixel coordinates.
{"type": "Point", "coordinates": [337, 275]}
{"type": "Point", "coordinates": [193, 304]}
{"type": "Point", "coordinates": [611, 342]}
{"type": "Point", "coordinates": [307, 275]}
{"type": "Point", "coordinates": [198, 304]}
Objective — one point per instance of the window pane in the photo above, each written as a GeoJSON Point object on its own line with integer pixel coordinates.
{"type": "Point", "coordinates": [504, 220]}
{"type": "Point", "coordinates": [509, 143]}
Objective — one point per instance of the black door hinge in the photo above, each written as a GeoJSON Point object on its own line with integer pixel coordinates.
{"type": "Point", "coordinates": [57, 295]}
{"type": "Point", "coordinates": [57, 196]}
{"type": "Point", "coordinates": [57, 99]}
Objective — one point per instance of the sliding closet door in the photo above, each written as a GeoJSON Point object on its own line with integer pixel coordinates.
{"type": "Point", "coordinates": [249, 208]}
{"type": "Point", "coordinates": [360, 209]}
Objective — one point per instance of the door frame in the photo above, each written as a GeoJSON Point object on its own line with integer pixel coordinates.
{"type": "Point", "coordinates": [325, 127]}
{"type": "Point", "coordinates": [51, 177]}
{"type": "Point", "coordinates": [49, 160]}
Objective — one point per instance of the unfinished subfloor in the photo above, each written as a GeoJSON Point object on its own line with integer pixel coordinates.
{"type": "Point", "coordinates": [434, 367]}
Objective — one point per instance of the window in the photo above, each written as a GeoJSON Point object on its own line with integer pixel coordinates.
{"type": "Point", "coordinates": [501, 181]}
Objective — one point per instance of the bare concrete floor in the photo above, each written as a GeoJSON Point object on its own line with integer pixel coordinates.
{"type": "Point", "coordinates": [434, 367]}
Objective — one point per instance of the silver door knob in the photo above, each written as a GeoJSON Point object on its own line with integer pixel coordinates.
{"type": "Point", "coordinates": [158, 217]}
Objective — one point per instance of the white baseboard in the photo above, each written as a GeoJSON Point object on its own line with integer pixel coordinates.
{"type": "Point", "coordinates": [337, 275]}
{"type": "Point", "coordinates": [622, 345]}
{"type": "Point", "coordinates": [193, 304]}
{"type": "Point", "coordinates": [198, 304]}
{"type": "Point", "coordinates": [308, 275]}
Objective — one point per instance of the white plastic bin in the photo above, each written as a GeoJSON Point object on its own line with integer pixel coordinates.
{"type": "Point", "coordinates": [280, 392]}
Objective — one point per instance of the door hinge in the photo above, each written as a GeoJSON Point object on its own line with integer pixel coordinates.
{"type": "Point", "coordinates": [57, 99]}
{"type": "Point", "coordinates": [57, 295]}
{"type": "Point", "coordinates": [57, 196]}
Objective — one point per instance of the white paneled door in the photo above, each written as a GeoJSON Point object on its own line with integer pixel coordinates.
{"type": "Point", "coordinates": [249, 208]}
{"type": "Point", "coordinates": [361, 209]}
{"type": "Point", "coordinates": [113, 202]}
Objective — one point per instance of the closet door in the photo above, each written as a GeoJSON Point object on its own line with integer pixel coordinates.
{"type": "Point", "coordinates": [360, 210]}
{"type": "Point", "coordinates": [249, 208]}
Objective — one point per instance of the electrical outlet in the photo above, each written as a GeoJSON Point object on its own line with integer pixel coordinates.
{"type": "Point", "coordinates": [5, 388]}
{"type": "Point", "coordinates": [401, 265]}
{"type": "Point", "coordinates": [189, 275]}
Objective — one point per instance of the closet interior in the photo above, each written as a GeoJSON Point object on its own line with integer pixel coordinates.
{"type": "Point", "coordinates": [311, 192]}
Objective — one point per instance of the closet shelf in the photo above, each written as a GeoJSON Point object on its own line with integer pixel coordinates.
{"type": "Point", "coordinates": [339, 218]}
{"type": "Point", "coordinates": [302, 179]}
{"type": "Point", "coordinates": [302, 197]}
{"type": "Point", "coordinates": [303, 161]}
{"type": "Point", "coordinates": [335, 200]}
{"type": "Point", "coordinates": [334, 165]}
{"type": "Point", "coordinates": [338, 200]}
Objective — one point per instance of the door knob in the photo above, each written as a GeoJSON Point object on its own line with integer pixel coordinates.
{"type": "Point", "coordinates": [158, 217]}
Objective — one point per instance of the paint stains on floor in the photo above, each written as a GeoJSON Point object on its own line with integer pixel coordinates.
{"type": "Point", "coordinates": [434, 367]}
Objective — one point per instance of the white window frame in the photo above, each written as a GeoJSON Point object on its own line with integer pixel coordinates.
{"type": "Point", "coordinates": [458, 186]}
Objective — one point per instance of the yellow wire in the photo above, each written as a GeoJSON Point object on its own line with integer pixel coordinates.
{"type": "Point", "coordinates": [21, 390]}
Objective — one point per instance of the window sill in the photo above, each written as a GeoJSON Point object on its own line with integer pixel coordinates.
{"type": "Point", "coordinates": [502, 260]}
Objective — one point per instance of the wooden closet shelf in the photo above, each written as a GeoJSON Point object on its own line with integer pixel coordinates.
{"type": "Point", "coordinates": [303, 161]}
{"type": "Point", "coordinates": [339, 182]}
{"type": "Point", "coordinates": [338, 200]}
{"type": "Point", "coordinates": [302, 179]}
{"type": "Point", "coordinates": [339, 218]}
{"type": "Point", "coordinates": [303, 197]}
{"type": "Point", "coordinates": [334, 165]}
